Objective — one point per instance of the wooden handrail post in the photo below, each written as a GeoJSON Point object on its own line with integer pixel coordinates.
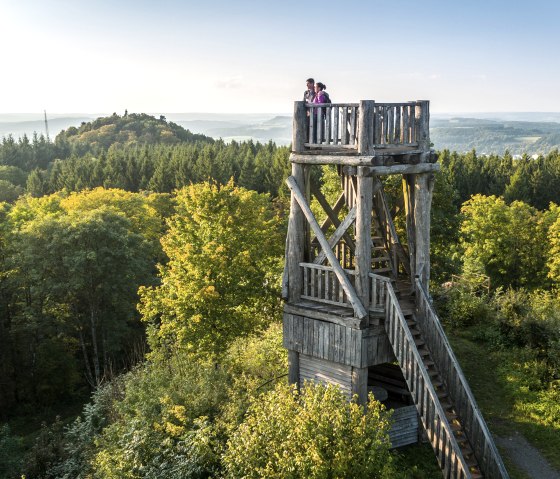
{"type": "Point", "coordinates": [299, 127]}
{"type": "Point", "coordinates": [365, 126]}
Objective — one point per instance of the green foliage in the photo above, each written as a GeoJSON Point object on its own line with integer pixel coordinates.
{"type": "Point", "coordinates": [225, 250]}
{"type": "Point", "coordinates": [71, 267]}
{"type": "Point", "coordinates": [46, 451]}
{"type": "Point", "coordinates": [459, 307]}
{"type": "Point", "coordinates": [162, 426]}
{"type": "Point", "coordinates": [127, 130]}
{"type": "Point", "coordinates": [11, 452]}
{"type": "Point", "coordinates": [503, 242]}
{"type": "Point", "coordinates": [313, 434]}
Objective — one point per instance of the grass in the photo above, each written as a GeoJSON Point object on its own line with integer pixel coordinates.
{"type": "Point", "coordinates": [503, 384]}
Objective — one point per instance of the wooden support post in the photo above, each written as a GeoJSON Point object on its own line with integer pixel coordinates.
{"type": "Point", "coordinates": [293, 367]}
{"type": "Point", "coordinates": [296, 240]}
{"type": "Point", "coordinates": [364, 206]}
{"type": "Point", "coordinates": [359, 384]}
{"type": "Point", "coordinates": [299, 127]}
{"type": "Point", "coordinates": [365, 127]}
{"type": "Point", "coordinates": [408, 192]}
{"type": "Point", "coordinates": [423, 131]}
{"type": "Point", "coordinates": [423, 189]}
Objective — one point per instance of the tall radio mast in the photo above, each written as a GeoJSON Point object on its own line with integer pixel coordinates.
{"type": "Point", "coordinates": [46, 125]}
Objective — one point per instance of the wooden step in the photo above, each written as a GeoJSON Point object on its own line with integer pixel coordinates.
{"type": "Point", "coordinates": [441, 394]}
{"type": "Point", "coordinates": [381, 270]}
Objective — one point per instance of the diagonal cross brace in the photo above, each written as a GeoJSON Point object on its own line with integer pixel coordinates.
{"type": "Point", "coordinates": [359, 309]}
{"type": "Point", "coordinates": [337, 235]}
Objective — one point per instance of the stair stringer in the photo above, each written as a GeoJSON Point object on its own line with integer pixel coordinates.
{"type": "Point", "coordinates": [428, 405]}
{"type": "Point", "coordinates": [456, 385]}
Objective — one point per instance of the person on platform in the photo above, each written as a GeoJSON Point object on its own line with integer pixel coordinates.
{"type": "Point", "coordinates": [321, 96]}
{"type": "Point", "coordinates": [309, 94]}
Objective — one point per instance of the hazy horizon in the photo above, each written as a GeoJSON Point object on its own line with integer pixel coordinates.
{"type": "Point", "coordinates": [251, 57]}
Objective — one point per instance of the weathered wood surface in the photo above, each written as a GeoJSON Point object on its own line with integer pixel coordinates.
{"type": "Point", "coordinates": [404, 430]}
{"type": "Point", "coordinates": [359, 348]}
{"type": "Point", "coordinates": [363, 126]}
{"type": "Point", "coordinates": [423, 189]}
{"type": "Point", "coordinates": [359, 309]}
{"type": "Point", "coordinates": [458, 388]}
{"type": "Point", "coordinates": [331, 125]}
{"type": "Point", "coordinates": [326, 372]}
{"type": "Point", "coordinates": [299, 133]}
{"type": "Point", "coordinates": [430, 410]}
{"type": "Point", "coordinates": [392, 170]}
{"type": "Point", "coordinates": [345, 159]}
{"type": "Point", "coordinates": [296, 240]}
{"type": "Point", "coordinates": [339, 233]}
{"type": "Point", "coordinates": [363, 238]}
{"type": "Point", "coordinates": [319, 283]}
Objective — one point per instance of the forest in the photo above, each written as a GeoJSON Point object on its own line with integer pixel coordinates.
{"type": "Point", "coordinates": [140, 311]}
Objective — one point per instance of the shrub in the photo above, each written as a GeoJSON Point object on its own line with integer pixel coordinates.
{"type": "Point", "coordinates": [316, 433]}
{"type": "Point", "coordinates": [11, 448]}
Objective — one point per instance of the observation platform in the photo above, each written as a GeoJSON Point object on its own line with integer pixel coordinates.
{"type": "Point", "coordinates": [389, 138]}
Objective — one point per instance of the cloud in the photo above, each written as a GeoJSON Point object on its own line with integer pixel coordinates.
{"type": "Point", "coordinates": [230, 83]}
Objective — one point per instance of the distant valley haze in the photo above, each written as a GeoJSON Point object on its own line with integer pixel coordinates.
{"type": "Point", "coordinates": [486, 132]}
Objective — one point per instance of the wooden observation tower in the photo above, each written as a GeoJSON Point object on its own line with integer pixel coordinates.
{"type": "Point", "coordinates": [357, 309]}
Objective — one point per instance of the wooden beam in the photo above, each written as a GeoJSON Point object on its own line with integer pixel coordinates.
{"type": "Point", "coordinates": [335, 210]}
{"type": "Point", "coordinates": [359, 384]}
{"type": "Point", "coordinates": [293, 367]}
{"type": "Point", "coordinates": [338, 234]}
{"type": "Point", "coordinates": [341, 158]}
{"type": "Point", "coordinates": [359, 309]}
{"type": "Point", "coordinates": [394, 169]}
{"type": "Point", "coordinates": [296, 240]}
{"type": "Point", "coordinates": [299, 127]}
{"type": "Point", "coordinates": [408, 193]}
{"type": "Point", "coordinates": [332, 215]}
{"type": "Point", "coordinates": [364, 205]}
{"type": "Point", "coordinates": [365, 127]}
{"type": "Point", "coordinates": [423, 189]}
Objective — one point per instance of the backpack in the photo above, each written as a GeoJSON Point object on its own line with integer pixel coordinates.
{"type": "Point", "coordinates": [327, 97]}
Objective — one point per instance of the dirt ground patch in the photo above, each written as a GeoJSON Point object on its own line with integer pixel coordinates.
{"type": "Point", "coordinates": [526, 457]}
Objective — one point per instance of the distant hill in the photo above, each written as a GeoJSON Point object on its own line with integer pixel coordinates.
{"type": "Point", "coordinates": [19, 125]}
{"type": "Point", "coordinates": [494, 136]}
{"type": "Point", "coordinates": [129, 129]}
{"type": "Point", "coordinates": [519, 132]}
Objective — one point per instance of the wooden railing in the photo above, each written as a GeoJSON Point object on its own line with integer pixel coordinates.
{"type": "Point", "coordinates": [332, 124]}
{"type": "Point", "coordinates": [337, 125]}
{"type": "Point", "coordinates": [321, 284]}
{"type": "Point", "coordinates": [424, 395]}
{"type": "Point", "coordinates": [458, 389]}
{"type": "Point", "coordinates": [395, 124]}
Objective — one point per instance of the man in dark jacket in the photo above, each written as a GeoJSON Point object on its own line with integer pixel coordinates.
{"type": "Point", "coordinates": [309, 94]}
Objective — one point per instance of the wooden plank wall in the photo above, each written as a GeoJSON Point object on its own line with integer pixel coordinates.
{"type": "Point", "coordinates": [321, 371]}
{"type": "Point", "coordinates": [405, 426]}
{"type": "Point", "coordinates": [337, 343]}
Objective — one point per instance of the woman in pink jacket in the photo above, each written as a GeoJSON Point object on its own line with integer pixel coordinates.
{"type": "Point", "coordinates": [321, 96]}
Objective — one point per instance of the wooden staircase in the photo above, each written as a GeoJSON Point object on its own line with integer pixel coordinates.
{"type": "Point", "coordinates": [462, 443]}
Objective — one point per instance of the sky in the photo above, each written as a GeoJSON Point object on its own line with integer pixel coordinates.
{"type": "Point", "coordinates": [249, 56]}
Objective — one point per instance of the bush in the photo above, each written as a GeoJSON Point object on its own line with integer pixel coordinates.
{"type": "Point", "coordinates": [313, 434]}
{"type": "Point", "coordinates": [11, 448]}
{"type": "Point", "coordinates": [460, 308]}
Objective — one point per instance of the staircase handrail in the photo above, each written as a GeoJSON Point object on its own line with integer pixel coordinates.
{"type": "Point", "coordinates": [427, 403]}
{"type": "Point", "coordinates": [467, 409]}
